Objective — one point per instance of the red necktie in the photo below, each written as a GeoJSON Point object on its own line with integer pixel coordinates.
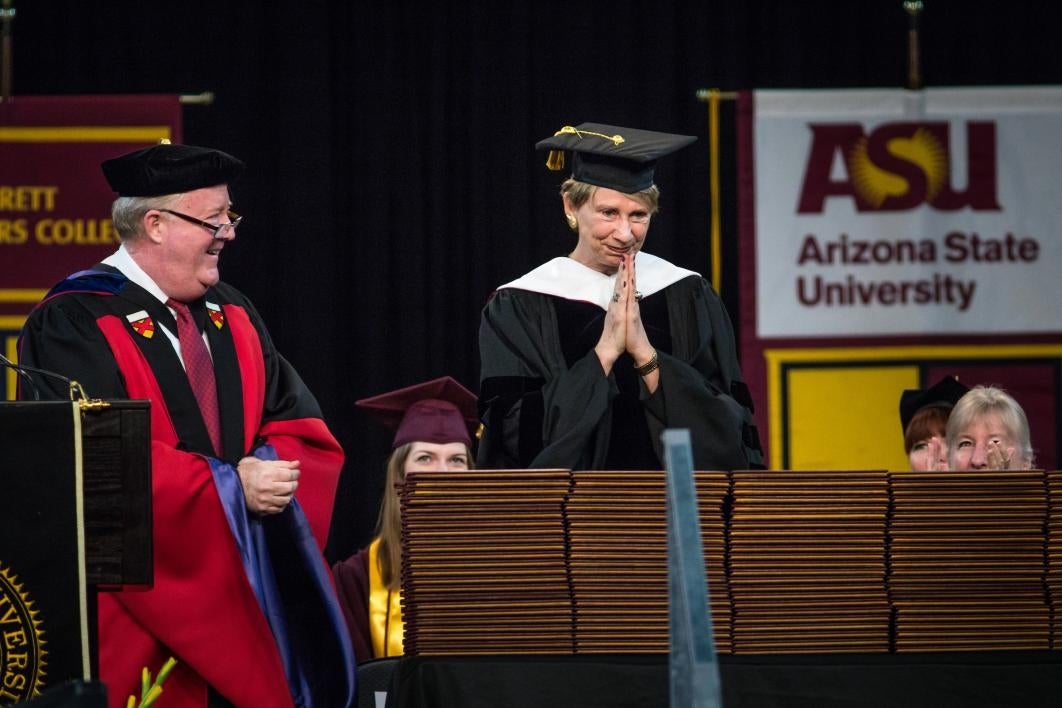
{"type": "Point", "coordinates": [200, 369]}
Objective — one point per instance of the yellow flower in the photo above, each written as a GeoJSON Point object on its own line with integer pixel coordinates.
{"type": "Point", "coordinates": [150, 691]}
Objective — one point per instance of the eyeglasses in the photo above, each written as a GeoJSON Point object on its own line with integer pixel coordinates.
{"type": "Point", "coordinates": [219, 230]}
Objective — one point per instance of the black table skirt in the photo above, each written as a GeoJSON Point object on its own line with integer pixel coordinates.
{"type": "Point", "coordinates": [961, 679]}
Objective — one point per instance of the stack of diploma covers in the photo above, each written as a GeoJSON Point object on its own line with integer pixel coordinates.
{"type": "Point", "coordinates": [1054, 554]}
{"type": "Point", "coordinates": [968, 564]}
{"type": "Point", "coordinates": [807, 562]}
{"type": "Point", "coordinates": [483, 568]}
{"type": "Point", "coordinates": [545, 562]}
{"type": "Point", "coordinates": [617, 523]}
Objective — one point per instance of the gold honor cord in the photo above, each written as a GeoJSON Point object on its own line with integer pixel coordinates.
{"type": "Point", "coordinates": [571, 130]}
{"type": "Point", "coordinates": [555, 159]}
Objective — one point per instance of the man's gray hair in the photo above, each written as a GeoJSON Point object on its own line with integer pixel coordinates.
{"type": "Point", "coordinates": [127, 213]}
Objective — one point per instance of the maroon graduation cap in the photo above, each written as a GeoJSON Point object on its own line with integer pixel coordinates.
{"type": "Point", "coordinates": [437, 411]}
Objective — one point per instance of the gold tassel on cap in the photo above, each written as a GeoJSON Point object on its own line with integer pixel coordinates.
{"type": "Point", "coordinates": [555, 160]}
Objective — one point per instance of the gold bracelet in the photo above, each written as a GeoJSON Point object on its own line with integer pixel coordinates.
{"type": "Point", "coordinates": [650, 366]}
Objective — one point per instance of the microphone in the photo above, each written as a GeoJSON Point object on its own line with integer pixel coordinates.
{"type": "Point", "coordinates": [24, 371]}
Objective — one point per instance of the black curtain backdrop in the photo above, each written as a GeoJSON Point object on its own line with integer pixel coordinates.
{"type": "Point", "coordinates": [392, 181]}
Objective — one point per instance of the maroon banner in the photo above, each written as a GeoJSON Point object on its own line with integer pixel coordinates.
{"type": "Point", "coordinates": [55, 205]}
{"type": "Point", "coordinates": [54, 201]}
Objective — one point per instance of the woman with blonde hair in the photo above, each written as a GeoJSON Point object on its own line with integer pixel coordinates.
{"type": "Point", "coordinates": [988, 430]}
{"type": "Point", "coordinates": [588, 358]}
{"type": "Point", "coordinates": [431, 422]}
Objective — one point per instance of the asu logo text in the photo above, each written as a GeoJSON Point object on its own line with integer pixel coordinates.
{"type": "Point", "coordinates": [899, 166]}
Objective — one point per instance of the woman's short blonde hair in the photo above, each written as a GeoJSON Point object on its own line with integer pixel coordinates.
{"type": "Point", "coordinates": [579, 192]}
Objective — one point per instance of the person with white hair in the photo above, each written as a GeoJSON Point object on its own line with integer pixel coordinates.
{"type": "Point", "coordinates": [988, 430]}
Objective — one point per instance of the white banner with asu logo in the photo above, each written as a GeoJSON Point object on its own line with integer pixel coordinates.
{"type": "Point", "coordinates": [885, 212]}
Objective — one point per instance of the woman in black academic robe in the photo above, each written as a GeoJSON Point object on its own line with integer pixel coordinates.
{"type": "Point", "coordinates": [588, 358]}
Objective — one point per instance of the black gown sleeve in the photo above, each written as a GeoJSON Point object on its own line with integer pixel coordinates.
{"type": "Point", "coordinates": [701, 386]}
{"type": "Point", "coordinates": [537, 412]}
{"type": "Point", "coordinates": [352, 588]}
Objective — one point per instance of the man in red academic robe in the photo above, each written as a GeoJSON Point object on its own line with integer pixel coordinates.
{"type": "Point", "coordinates": [244, 468]}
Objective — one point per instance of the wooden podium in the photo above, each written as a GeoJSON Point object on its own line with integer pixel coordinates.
{"type": "Point", "coordinates": [76, 518]}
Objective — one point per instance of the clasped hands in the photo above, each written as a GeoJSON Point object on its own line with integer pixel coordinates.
{"type": "Point", "coordinates": [623, 330]}
{"type": "Point", "coordinates": [268, 485]}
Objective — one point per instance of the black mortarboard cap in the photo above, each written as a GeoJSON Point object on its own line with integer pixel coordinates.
{"type": "Point", "coordinates": [169, 169]}
{"type": "Point", "coordinates": [437, 411]}
{"type": "Point", "coordinates": [623, 159]}
{"type": "Point", "coordinates": [944, 393]}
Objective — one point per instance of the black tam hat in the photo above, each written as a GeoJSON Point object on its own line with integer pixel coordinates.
{"type": "Point", "coordinates": [170, 169]}
{"type": "Point", "coordinates": [623, 159]}
{"type": "Point", "coordinates": [944, 394]}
